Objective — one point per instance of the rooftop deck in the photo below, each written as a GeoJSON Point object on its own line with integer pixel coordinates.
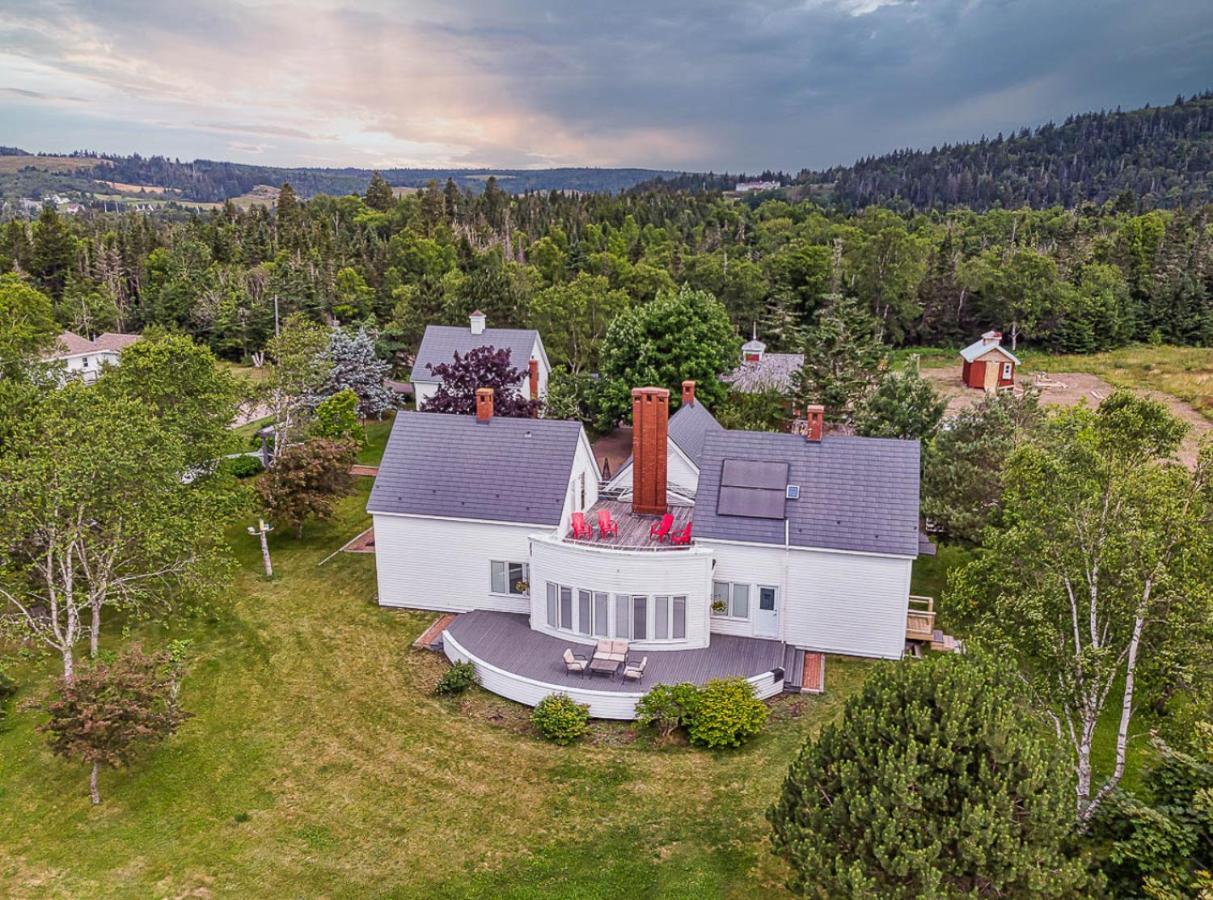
{"type": "Point", "coordinates": [525, 665]}
{"type": "Point", "coordinates": [633, 529]}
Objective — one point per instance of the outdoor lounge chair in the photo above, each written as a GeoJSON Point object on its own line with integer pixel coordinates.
{"type": "Point", "coordinates": [635, 672]}
{"type": "Point", "coordinates": [574, 663]}
{"type": "Point", "coordinates": [581, 528]}
{"type": "Point", "coordinates": [661, 530]}
{"type": "Point", "coordinates": [683, 536]}
{"type": "Point", "coordinates": [607, 527]}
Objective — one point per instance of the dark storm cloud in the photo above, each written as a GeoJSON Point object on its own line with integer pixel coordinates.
{"type": "Point", "coordinates": [679, 84]}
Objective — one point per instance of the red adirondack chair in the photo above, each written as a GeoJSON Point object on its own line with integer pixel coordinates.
{"type": "Point", "coordinates": [581, 528]}
{"type": "Point", "coordinates": [607, 527]}
{"type": "Point", "coordinates": [661, 530]}
{"type": "Point", "coordinates": [683, 536]}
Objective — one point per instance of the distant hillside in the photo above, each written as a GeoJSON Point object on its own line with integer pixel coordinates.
{"type": "Point", "coordinates": [1163, 155]}
{"type": "Point", "coordinates": [210, 181]}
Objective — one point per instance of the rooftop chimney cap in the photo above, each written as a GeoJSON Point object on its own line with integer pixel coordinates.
{"type": "Point", "coordinates": [484, 404]}
{"type": "Point", "coordinates": [688, 393]}
{"type": "Point", "coordinates": [992, 337]}
{"type": "Point", "coordinates": [477, 320]}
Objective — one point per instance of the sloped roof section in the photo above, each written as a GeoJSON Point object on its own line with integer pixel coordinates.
{"type": "Point", "coordinates": [857, 494]}
{"type": "Point", "coordinates": [690, 426]}
{"type": "Point", "coordinates": [441, 342]}
{"type": "Point", "coordinates": [774, 370]}
{"type": "Point", "coordinates": [981, 347]}
{"type": "Point", "coordinates": [71, 344]}
{"type": "Point", "coordinates": [452, 466]}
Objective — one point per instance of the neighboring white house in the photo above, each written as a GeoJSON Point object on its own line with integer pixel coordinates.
{"type": "Point", "coordinates": [85, 358]}
{"type": "Point", "coordinates": [441, 342]}
{"type": "Point", "coordinates": [783, 543]}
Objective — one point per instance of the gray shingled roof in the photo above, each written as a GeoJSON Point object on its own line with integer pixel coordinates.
{"type": "Point", "coordinates": [689, 426]}
{"type": "Point", "coordinates": [856, 493]}
{"type": "Point", "coordinates": [442, 341]}
{"type": "Point", "coordinates": [504, 470]}
{"type": "Point", "coordinates": [774, 370]}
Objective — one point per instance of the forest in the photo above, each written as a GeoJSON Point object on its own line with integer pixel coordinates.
{"type": "Point", "coordinates": [1075, 280]}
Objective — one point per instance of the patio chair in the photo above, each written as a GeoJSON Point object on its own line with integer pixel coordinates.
{"type": "Point", "coordinates": [607, 526]}
{"type": "Point", "coordinates": [661, 530]}
{"type": "Point", "coordinates": [574, 663]}
{"type": "Point", "coordinates": [581, 528]}
{"type": "Point", "coordinates": [635, 672]}
{"type": "Point", "coordinates": [683, 536]}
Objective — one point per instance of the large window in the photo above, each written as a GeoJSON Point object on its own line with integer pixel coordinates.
{"type": "Point", "coordinates": [509, 578]}
{"type": "Point", "coordinates": [730, 600]}
{"type": "Point", "coordinates": [633, 617]}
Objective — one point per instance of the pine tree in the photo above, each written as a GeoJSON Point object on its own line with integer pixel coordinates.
{"type": "Point", "coordinates": [936, 782]}
{"type": "Point", "coordinates": [843, 359]}
{"type": "Point", "coordinates": [379, 193]}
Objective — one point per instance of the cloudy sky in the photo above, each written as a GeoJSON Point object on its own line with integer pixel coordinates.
{"type": "Point", "coordinates": [687, 84]}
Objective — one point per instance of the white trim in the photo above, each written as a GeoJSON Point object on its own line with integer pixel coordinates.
{"type": "Point", "coordinates": [400, 515]}
{"type": "Point", "coordinates": [804, 549]}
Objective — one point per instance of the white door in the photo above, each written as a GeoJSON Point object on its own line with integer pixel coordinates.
{"type": "Point", "coordinates": [766, 616]}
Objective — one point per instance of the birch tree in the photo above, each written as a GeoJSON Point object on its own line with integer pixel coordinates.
{"type": "Point", "coordinates": [1099, 581]}
{"type": "Point", "coordinates": [300, 369]}
{"type": "Point", "coordinates": [94, 515]}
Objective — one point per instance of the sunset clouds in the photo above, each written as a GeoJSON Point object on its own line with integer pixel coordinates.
{"type": "Point", "coordinates": [515, 83]}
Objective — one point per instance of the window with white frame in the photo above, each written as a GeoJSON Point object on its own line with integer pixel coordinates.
{"type": "Point", "coordinates": [633, 617]}
{"type": "Point", "coordinates": [510, 578]}
{"type": "Point", "coordinates": [1006, 371]}
{"type": "Point", "coordinates": [730, 600]}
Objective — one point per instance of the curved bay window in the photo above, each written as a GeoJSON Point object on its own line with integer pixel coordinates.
{"type": "Point", "coordinates": [633, 617]}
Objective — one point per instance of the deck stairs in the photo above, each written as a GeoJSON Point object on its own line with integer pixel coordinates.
{"type": "Point", "coordinates": [431, 638]}
{"type": "Point", "coordinates": [804, 671]}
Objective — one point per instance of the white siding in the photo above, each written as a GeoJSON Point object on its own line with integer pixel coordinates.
{"type": "Point", "coordinates": [423, 390]}
{"type": "Point", "coordinates": [602, 704]}
{"type": "Point", "coordinates": [444, 564]}
{"type": "Point", "coordinates": [648, 572]}
{"type": "Point", "coordinates": [75, 365]}
{"type": "Point", "coordinates": [583, 467]}
{"type": "Point", "coordinates": [830, 602]}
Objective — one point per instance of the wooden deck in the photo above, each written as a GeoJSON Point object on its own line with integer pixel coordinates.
{"type": "Point", "coordinates": [633, 529]}
{"type": "Point", "coordinates": [506, 641]}
{"type": "Point", "coordinates": [920, 618]}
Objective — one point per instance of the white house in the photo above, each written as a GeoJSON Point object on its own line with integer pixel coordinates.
{"type": "Point", "coordinates": [773, 547]}
{"type": "Point", "coordinates": [440, 343]}
{"type": "Point", "coordinates": [85, 358]}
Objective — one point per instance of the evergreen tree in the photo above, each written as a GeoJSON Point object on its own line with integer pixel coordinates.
{"type": "Point", "coordinates": [903, 405]}
{"type": "Point", "coordinates": [937, 782]}
{"type": "Point", "coordinates": [843, 359]}
{"type": "Point", "coordinates": [379, 193]}
{"type": "Point", "coordinates": [355, 366]}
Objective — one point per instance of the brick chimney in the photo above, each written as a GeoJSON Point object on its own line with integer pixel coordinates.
{"type": "Point", "coordinates": [814, 422]}
{"type": "Point", "coordinates": [484, 404]}
{"type": "Point", "coordinates": [688, 393]}
{"type": "Point", "coordinates": [650, 429]}
{"type": "Point", "coordinates": [477, 320]}
{"type": "Point", "coordinates": [533, 369]}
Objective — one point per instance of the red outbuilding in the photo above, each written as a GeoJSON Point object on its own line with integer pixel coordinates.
{"type": "Point", "coordinates": [988, 365]}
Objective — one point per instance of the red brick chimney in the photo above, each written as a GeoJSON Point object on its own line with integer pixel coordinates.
{"type": "Point", "coordinates": [534, 374]}
{"type": "Point", "coordinates": [814, 421]}
{"type": "Point", "coordinates": [688, 393]}
{"type": "Point", "coordinates": [484, 404]}
{"type": "Point", "coordinates": [650, 429]}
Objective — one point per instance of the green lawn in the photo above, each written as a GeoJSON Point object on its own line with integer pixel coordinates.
{"type": "Point", "coordinates": [319, 763]}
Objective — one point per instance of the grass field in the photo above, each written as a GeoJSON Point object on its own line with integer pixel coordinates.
{"type": "Point", "coordinates": [319, 763]}
{"type": "Point", "coordinates": [1183, 372]}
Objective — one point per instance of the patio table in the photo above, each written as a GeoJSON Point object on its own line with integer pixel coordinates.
{"type": "Point", "coordinates": [602, 666]}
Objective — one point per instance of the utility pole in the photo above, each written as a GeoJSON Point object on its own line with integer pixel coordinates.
{"type": "Point", "coordinates": [261, 531]}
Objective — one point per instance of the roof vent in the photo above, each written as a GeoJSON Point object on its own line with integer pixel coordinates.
{"type": "Point", "coordinates": [793, 492]}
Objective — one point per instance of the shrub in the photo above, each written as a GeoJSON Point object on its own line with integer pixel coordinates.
{"type": "Point", "coordinates": [561, 719]}
{"type": "Point", "coordinates": [457, 679]}
{"type": "Point", "coordinates": [8, 685]}
{"type": "Point", "coordinates": [726, 713]}
{"type": "Point", "coordinates": [936, 782]}
{"type": "Point", "coordinates": [243, 466]}
{"type": "Point", "coordinates": [668, 707]}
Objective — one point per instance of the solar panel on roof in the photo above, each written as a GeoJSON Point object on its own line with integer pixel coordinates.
{"type": "Point", "coordinates": [753, 473]}
{"type": "Point", "coordinates": [755, 503]}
